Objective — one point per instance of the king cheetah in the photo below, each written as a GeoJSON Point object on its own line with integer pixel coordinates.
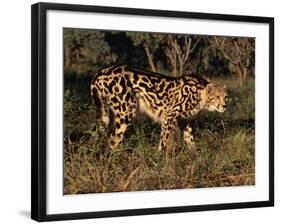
{"type": "Point", "coordinates": [119, 92]}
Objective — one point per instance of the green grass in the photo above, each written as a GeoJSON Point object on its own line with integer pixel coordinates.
{"type": "Point", "coordinates": [224, 154]}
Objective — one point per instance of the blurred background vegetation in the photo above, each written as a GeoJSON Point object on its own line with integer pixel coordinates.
{"type": "Point", "coordinates": [85, 51]}
{"type": "Point", "coordinates": [225, 151]}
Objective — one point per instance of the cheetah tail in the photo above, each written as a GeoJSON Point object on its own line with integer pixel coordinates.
{"type": "Point", "coordinates": [97, 102]}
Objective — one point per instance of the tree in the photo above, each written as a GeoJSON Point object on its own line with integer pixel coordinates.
{"type": "Point", "coordinates": [150, 43]}
{"type": "Point", "coordinates": [82, 46]}
{"type": "Point", "coordinates": [178, 50]}
{"type": "Point", "coordinates": [238, 52]}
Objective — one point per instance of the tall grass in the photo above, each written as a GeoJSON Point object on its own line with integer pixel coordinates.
{"type": "Point", "coordinates": [224, 154]}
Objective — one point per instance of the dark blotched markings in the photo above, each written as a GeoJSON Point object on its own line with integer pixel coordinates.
{"type": "Point", "coordinates": [162, 97]}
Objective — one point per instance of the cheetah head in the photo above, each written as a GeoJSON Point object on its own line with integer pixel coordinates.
{"type": "Point", "coordinates": [215, 98]}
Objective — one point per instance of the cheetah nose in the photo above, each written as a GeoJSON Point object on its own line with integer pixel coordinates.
{"type": "Point", "coordinates": [224, 106]}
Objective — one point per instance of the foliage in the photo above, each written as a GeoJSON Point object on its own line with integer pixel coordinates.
{"type": "Point", "coordinates": [150, 42]}
{"type": "Point", "coordinates": [88, 50]}
{"type": "Point", "coordinates": [238, 52]}
{"type": "Point", "coordinates": [82, 46]}
{"type": "Point", "coordinates": [178, 50]}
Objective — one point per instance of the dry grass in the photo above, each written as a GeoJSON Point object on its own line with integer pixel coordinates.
{"type": "Point", "coordinates": [224, 154]}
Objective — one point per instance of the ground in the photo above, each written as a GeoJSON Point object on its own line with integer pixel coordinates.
{"type": "Point", "coordinates": [224, 154]}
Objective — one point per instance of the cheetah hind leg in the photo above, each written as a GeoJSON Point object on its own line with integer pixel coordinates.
{"type": "Point", "coordinates": [103, 117]}
{"type": "Point", "coordinates": [188, 136]}
{"type": "Point", "coordinates": [102, 110]}
{"type": "Point", "coordinates": [117, 135]}
{"type": "Point", "coordinates": [121, 123]}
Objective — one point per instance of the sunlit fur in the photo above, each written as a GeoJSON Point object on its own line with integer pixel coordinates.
{"type": "Point", "coordinates": [216, 98]}
{"type": "Point", "coordinates": [120, 92]}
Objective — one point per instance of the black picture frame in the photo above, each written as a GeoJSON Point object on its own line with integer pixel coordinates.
{"type": "Point", "coordinates": [39, 122]}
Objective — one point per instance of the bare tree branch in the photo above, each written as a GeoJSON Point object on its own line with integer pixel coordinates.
{"type": "Point", "coordinates": [237, 52]}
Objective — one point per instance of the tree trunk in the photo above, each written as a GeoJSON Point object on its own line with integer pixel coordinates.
{"type": "Point", "coordinates": [180, 69]}
{"type": "Point", "coordinates": [77, 56]}
{"type": "Point", "coordinates": [150, 58]}
{"type": "Point", "coordinates": [172, 56]}
{"type": "Point", "coordinates": [67, 57]}
{"type": "Point", "coordinates": [175, 68]}
{"type": "Point", "coordinates": [174, 64]}
{"type": "Point", "coordinates": [245, 73]}
{"type": "Point", "coordinates": [240, 76]}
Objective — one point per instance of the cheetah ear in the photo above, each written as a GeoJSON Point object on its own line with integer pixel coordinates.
{"type": "Point", "coordinates": [210, 87]}
{"type": "Point", "coordinates": [206, 78]}
{"type": "Point", "coordinates": [224, 86]}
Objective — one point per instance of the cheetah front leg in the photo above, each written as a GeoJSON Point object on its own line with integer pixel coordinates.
{"type": "Point", "coordinates": [168, 125]}
{"type": "Point", "coordinates": [188, 136]}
